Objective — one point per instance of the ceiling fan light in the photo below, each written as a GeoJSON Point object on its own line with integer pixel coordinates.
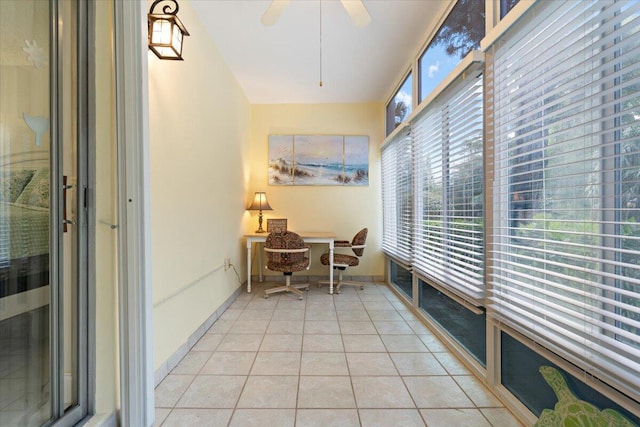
{"type": "Point", "coordinates": [357, 11]}
{"type": "Point", "coordinates": [272, 14]}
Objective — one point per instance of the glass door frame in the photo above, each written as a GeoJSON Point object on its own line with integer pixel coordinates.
{"type": "Point", "coordinates": [83, 308]}
{"type": "Point", "coordinates": [133, 200]}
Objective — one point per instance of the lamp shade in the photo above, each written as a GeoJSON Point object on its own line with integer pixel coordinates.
{"type": "Point", "coordinates": [260, 202]}
{"type": "Point", "coordinates": [166, 32]}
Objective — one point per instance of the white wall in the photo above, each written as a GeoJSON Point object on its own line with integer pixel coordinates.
{"type": "Point", "coordinates": [341, 209]}
{"type": "Point", "coordinates": [199, 145]}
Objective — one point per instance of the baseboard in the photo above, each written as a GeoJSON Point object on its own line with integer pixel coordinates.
{"type": "Point", "coordinates": [255, 280]}
{"type": "Point", "coordinates": [182, 351]}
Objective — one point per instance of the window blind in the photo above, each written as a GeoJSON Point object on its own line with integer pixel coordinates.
{"type": "Point", "coordinates": [449, 187]}
{"type": "Point", "coordinates": [397, 200]}
{"type": "Point", "coordinates": [5, 238]}
{"type": "Point", "coordinates": [566, 230]}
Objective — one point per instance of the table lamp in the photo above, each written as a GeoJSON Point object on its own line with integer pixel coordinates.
{"type": "Point", "coordinates": [260, 204]}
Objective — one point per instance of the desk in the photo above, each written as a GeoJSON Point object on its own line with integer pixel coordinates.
{"type": "Point", "coordinates": [307, 236]}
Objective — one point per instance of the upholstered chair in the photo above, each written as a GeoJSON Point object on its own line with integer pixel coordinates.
{"type": "Point", "coordinates": [287, 253]}
{"type": "Point", "coordinates": [341, 261]}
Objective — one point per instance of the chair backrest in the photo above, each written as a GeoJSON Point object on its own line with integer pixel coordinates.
{"type": "Point", "coordinates": [285, 240]}
{"type": "Point", "coordinates": [359, 239]}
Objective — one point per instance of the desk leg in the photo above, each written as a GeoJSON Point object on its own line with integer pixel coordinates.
{"type": "Point", "coordinates": [249, 267]}
{"type": "Point", "coordinates": [331, 267]}
{"type": "Point", "coordinates": [260, 262]}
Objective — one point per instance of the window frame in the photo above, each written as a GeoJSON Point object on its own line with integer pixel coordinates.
{"type": "Point", "coordinates": [397, 212]}
{"type": "Point", "coordinates": [549, 310]}
{"type": "Point", "coordinates": [390, 108]}
{"type": "Point", "coordinates": [454, 277]}
{"type": "Point", "coordinates": [419, 70]}
{"type": "Point", "coordinates": [500, 23]}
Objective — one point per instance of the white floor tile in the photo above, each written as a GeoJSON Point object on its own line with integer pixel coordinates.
{"type": "Point", "coordinates": [391, 417]}
{"type": "Point", "coordinates": [229, 363]}
{"type": "Point", "coordinates": [263, 418]}
{"type": "Point", "coordinates": [198, 418]}
{"type": "Point", "coordinates": [325, 392]}
{"type": "Point", "coordinates": [455, 417]}
{"type": "Point", "coordinates": [327, 418]}
{"type": "Point", "coordinates": [212, 391]}
{"type": "Point", "coordinates": [269, 392]}
{"type": "Point", "coordinates": [437, 392]}
{"type": "Point", "coordinates": [381, 392]}
{"type": "Point", "coordinates": [322, 343]}
{"type": "Point", "coordinates": [360, 358]}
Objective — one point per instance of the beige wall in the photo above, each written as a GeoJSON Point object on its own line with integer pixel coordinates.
{"type": "Point", "coordinates": [199, 145]}
{"type": "Point", "coordinates": [107, 384]}
{"type": "Point", "coordinates": [344, 210]}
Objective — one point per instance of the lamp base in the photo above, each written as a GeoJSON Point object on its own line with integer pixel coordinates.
{"type": "Point", "coordinates": [260, 229]}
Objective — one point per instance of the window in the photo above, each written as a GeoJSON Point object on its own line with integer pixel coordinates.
{"type": "Point", "coordinates": [433, 188]}
{"type": "Point", "coordinates": [469, 329]}
{"type": "Point", "coordinates": [460, 33]}
{"type": "Point", "coordinates": [566, 262]}
{"type": "Point", "coordinates": [397, 200]}
{"type": "Point", "coordinates": [400, 106]}
{"type": "Point", "coordinates": [449, 188]}
{"type": "Point", "coordinates": [401, 278]}
{"type": "Point", "coordinates": [519, 373]}
{"type": "Point", "coordinates": [506, 6]}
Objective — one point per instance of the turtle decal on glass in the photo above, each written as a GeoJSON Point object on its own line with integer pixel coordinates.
{"type": "Point", "coordinates": [573, 412]}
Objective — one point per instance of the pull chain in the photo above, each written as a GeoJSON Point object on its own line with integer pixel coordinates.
{"type": "Point", "coordinates": [320, 43]}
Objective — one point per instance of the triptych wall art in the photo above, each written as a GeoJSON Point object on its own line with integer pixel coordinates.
{"type": "Point", "coordinates": [319, 160]}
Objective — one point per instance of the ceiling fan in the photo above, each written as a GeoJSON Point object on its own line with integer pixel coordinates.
{"type": "Point", "coordinates": [355, 9]}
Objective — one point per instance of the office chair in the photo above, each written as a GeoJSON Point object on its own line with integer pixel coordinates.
{"type": "Point", "coordinates": [342, 261]}
{"type": "Point", "coordinates": [286, 252]}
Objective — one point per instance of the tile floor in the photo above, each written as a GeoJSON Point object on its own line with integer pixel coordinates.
{"type": "Point", "coordinates": [355, 359]}
{"type": "Point", "coordinates": [24, 373]}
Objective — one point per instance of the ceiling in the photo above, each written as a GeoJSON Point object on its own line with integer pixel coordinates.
{"type": "Point", "coordinates": [281, 63]}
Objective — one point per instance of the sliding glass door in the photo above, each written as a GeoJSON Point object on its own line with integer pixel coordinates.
{"type": "Point", "coordinates": [43, 333]}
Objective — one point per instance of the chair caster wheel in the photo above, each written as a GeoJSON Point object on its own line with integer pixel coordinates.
{"type": "Point", "coordinates": [300, 298]}
{"type": "Point", "coordinates": [362, 287]}
{"type": "Point", "coordinates": [266, 296]}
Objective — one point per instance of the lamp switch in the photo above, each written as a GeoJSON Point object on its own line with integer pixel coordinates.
{"type": "Point", "coordinates": [227, 264]}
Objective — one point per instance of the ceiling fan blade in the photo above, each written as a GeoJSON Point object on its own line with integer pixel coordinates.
{"type": "Point", "coordinates": [357, 12]}
{"type": "Point", "coordinates": [274, 11]}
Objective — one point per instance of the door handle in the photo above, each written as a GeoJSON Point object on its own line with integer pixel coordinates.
{"type": "Point", "coordinates": [65, 221]}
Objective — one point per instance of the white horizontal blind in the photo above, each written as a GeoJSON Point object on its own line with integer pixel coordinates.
{"type": "Point", "coordinates": [566, 267]}
{"type": "Point", "coordinates": [449, 182]}
{"type": "Point", "coordinates": [5, 237]}
{"type": "Point", "coordinates": [397, 209]}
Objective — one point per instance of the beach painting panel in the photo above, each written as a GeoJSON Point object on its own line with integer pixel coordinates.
{"type": "Point", "coordinates": [318, 160]}
{"type": "Point", "coordinates": [356, 160]}
{"type": "Point", "coordinates": [281, 160]}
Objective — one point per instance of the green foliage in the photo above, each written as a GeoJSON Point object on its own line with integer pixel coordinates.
{"type": "Point", "coordinates": [400, 113]}
{"type": "Point", "coordinates": [465, 239]}
{"type": "Point", "coordinates": [567, 244]}
{"type": "Point", "coordinates": [463, 29]}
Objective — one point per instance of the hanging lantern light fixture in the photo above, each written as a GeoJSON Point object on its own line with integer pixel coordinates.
{"type": "Point", "coordinates": [166, 32]}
